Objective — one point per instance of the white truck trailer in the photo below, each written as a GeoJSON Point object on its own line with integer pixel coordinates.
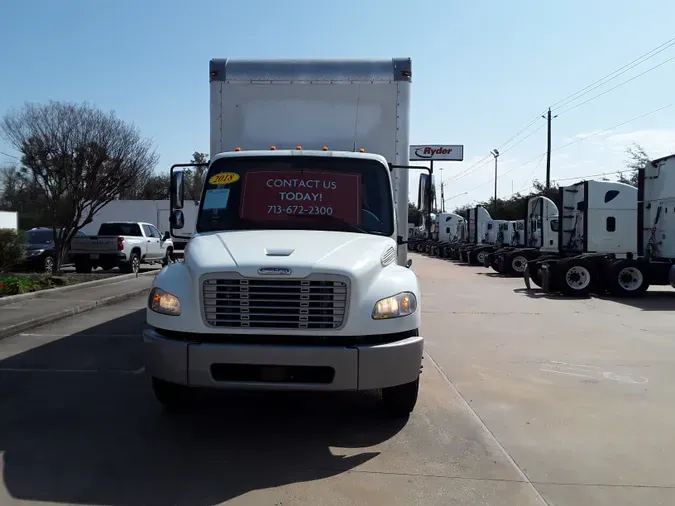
{"type": "Point", "coordinates": [297, 276]}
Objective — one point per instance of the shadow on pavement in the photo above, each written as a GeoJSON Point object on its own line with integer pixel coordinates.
{"type": "Point", "coordinates": [79, 424]}
{"type": "Point", "coordinates": [496, 275]}
{"type": "Point", "coordinates": [650, 301]}
{"type": "Point", "coordinates": [538, 293]}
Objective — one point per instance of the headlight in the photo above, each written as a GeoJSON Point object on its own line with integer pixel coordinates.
{"type": "Point", "coordinates": [163, 302]}
{"type": "Point", "coordinates": [34, 252]}
{"type": "Point", "coordinates": [403, 304]}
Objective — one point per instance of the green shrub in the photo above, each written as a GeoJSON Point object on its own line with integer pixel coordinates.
{"type": "Point", "coordinates": [11, 248]}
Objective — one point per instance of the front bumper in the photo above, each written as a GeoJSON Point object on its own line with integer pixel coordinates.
{"type": "Point", "coordinates": [282, 367]}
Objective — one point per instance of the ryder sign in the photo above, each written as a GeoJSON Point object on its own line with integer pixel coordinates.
{"type": "Point", "coordinates": [437, 152]}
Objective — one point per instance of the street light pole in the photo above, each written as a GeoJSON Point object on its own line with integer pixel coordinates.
{"type": "Point", "coordinates": [495, 153]}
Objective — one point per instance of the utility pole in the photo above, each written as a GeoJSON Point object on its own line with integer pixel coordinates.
{"type": "Point", "coordinates": [442, 193]}
{"type": "Point", "coordinates": [495, 153]}
{"type": "Point", "coordinates": [548, 119]}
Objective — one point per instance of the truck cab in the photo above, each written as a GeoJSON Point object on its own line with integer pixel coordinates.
{"type": "Point", "coordinates": [297, 277]}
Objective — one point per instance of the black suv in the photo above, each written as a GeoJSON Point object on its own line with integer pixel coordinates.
{"type": "Point", "coordinates": [40, 253]}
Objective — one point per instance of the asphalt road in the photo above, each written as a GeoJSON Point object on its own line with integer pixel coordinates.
{"type": "Point", "coordinates": [525, 400]}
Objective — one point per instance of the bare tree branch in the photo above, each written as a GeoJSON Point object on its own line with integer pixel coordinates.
{"type": "Point", "coordinates": [78, 159]}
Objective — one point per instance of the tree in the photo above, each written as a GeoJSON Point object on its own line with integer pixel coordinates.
{"type": "Point", "coordinates": [77, 159]}
{"type": "Point", "coordinates": [194, 178]}
{"type": "Point", "coordinates": [637, 159]}
{"type": "Point", "coordinates": [515, 207]}
{"type": "Point", "coordinates": [414, 215]}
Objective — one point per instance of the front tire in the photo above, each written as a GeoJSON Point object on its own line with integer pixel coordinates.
{"type": "Point", "coordinates": [399, 401]}
{"type": "Point", "coordinates": [48, 265]}
{"type": "Point", "coordinates": [171, 395]}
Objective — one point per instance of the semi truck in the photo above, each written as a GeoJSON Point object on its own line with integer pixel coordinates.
{"type": "Point", "coordinates": [480, 229]}
{"type": "Point", "coordinates": [642, 250]}
{"type": "Point", "coordinates": [597, 225]}
{"type": "Point", "coordinates": [539, 237]}
{"type": "Point", "coordinates": [297, 276]}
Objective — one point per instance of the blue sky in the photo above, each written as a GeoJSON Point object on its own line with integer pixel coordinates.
{"type": "Point", "coordinates": [482, 70]}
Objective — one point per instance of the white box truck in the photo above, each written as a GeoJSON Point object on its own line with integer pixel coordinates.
{"type": "Point", "coordinates": [297, 276]}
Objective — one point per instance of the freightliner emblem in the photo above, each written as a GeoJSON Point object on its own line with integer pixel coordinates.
{"type": "Point", "coordinates": [274, 271]}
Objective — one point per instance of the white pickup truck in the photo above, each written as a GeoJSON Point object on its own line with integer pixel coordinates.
{"type": "Point", "coordinates": [123, 244]}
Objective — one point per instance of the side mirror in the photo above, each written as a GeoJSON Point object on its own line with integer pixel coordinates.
{"type": "Point", "coordinates": [425, 192]}
{"type": "Point", "coordinates": [177, 190]}
{"type": "Point", "coordinates": [167, 236]}
{"type": "Point", "coordinates": [177, 219]}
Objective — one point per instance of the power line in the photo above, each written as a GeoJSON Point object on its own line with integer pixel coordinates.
{"type": "Point", "coordinates": [573, 142]}
{"type": "Point", "coordinates": [483, 161]}
{"type": "Point", "coordinates": [618, 72]}
{"type": "Point", "coordinates": [617, 86]}
{"type": "Point", "coordinates": [570, 98]}
{"type": "Point", "coordinates": [486, 160]}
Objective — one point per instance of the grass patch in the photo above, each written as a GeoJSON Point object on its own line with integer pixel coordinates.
{"type": "Point", "coordinates": [14, 284]}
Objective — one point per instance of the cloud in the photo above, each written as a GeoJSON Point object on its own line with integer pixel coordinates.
{"type": "Point", "coordinates": [656, 142]}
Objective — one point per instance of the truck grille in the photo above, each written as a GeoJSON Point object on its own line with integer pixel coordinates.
{"type": "Point", "coordinates": [275, 303]}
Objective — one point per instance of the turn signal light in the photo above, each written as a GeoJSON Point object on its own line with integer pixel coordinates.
{"type": "Point", "coordinates": [237, 149]}
{"type": "Point", "coordinates": [273, 148]}
{"type": "Point", "coordinates": [325, 148]}
{"type": "Point", "coordinates": [299, 148]}
{"type": "Point", "coordinates": [362, 150]}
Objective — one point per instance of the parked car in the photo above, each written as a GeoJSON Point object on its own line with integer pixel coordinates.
{"type": "Point", "coordinates": [40, 254]}
{"type": "Point", "coordinates": [123, 244]}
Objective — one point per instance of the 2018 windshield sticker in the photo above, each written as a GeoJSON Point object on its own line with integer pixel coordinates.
{"type": "Point", "coordinates": [278, 194]}
{"type": "Point", "coordinates": [216, 199]}
{"type": "Point", "coordinates": [224, 178]}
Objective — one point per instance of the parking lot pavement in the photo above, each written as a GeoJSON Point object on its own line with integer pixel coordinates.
{"type": "Point", "coordinates": [580, 393]}
{"type": "Point", "coordinates": [79, 425]}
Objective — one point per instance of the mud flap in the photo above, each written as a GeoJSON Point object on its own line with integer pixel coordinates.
{"type": "Point", "coordinates": [545, 278]}
{"type": "Point", "coordinates": [526, 276]}
{"type": "Point", "coordinates": [487, 260]}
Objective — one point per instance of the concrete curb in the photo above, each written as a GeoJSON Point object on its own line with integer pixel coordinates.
{"type": "Point", "coordinates": [11, 299]}
{"type": "Point", "coordinates": [67, 313]}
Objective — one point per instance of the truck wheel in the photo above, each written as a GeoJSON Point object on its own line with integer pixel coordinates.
{"type": "Point", "coordinates": [575, 277]}
{"type": "Point", "coordinates": [171, 395]}
{"type": "Point", "coordinates": [627, 278]}
{"type": "Point", "coordinates": [399, 401]}
{"type": "Point", "coordinates": [517, 263]}
{"type": "Point", "coordinates": [133, 265]}
{"type": "Point", "coordinates": [168, 258]}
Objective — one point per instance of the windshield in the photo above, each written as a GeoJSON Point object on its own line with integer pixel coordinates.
{"type": "Point", "coordinates": [39, 236]}
{"type": "Point", "coordinates": [297, 192]}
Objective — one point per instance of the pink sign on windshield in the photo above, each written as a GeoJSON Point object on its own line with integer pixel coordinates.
{"type": "Point", "coordinates": [277, 195]}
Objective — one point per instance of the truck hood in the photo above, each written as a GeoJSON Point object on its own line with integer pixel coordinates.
{"type": "Point", "coordinates": [302, 251]}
